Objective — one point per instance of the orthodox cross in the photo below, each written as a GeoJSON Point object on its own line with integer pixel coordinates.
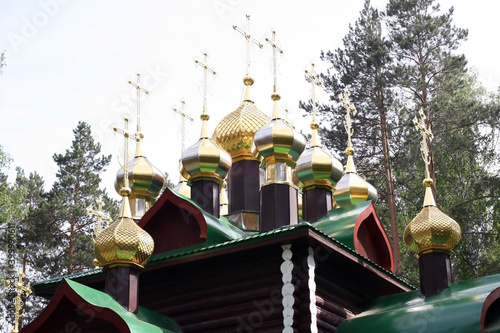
{"type": "Point", "coordinates": [126, 134]}
{"type": "Point", "coordinates": [276, 50]}
{"type": "Point", "coordinates": [101, 216]}
{"type": "Point", "coordinates": [140, 90]}
{"type": "Point", "coordinates": [350, 109]}
{"type": "Point", "coordinates": [315, 80]}
{"type": "Point", "coordinates": [204, 64]}
{"type": "Point", "coordinates": [426, 132]}
{"type": "Point", "coordinates": [22, 290]}
{"type": "Point", "coordinates": [184, 116]}
{"type": "Point", "coordinates": [249, 40]}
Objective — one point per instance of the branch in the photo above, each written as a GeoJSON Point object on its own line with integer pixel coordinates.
{"type": "Point", "coordinates": [470, 200]}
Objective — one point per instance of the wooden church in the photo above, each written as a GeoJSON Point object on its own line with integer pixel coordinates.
{"type": "Point", "coordinates": [299, 249]}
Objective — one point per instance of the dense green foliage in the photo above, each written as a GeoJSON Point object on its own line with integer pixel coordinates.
{"type": "Point", "coordinates": [394, 72]}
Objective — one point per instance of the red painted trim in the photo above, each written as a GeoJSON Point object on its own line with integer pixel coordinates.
{"type": "Point", "coordinates": [353, 258]}
{"type": "Point", "coordinates": [492, 297]}
{"type": "Point", "coordinates": [65, 291]}
{"type": "Point", "coordinates": [370, 210]}
{"type": "Point", "coordinates": [169, 196]}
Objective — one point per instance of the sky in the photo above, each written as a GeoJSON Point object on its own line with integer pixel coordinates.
{"type": "Point", "coordinates": [70, 61]}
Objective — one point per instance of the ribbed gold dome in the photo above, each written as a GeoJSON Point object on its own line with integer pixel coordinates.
{"type": "Point", "coordinates": [145, 180]}
{"type": "Point", "coordinates": [432, 231]}
{"type": "Point", "coordinates": [206, 160]}
{"type": "Point", "coordinates": [351, 188]}
{"type": "Point", "coordinates": [278, 141]}
{"type": "Point", "coordinates": [235, 132]}
{"type": "Point", "coordinates": [124, 242]}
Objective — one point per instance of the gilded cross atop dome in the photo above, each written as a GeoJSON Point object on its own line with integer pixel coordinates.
{"type": "Point", "coordinates": [22, 290]}
{"type": "Point", "coordinates": [312, 77]}
{"type": "Point", "coordinates": [276, 50]}
{"type": "Point", "coordinates": [427, 136]}
{"type": "Point", "coordinates": [184, 116]}
{"type": "Point", "coordinates": [103, 218]}
{"type": "Point", "coordinates": [126, 135]}
{"type": "Point", "coordinates": [350, 109]}
{"type": "Point", "coordinates": [137, 86]}
{"type": "Point", "coordinates": [249, 40]}
{"type": "Point", "coordinates": [204, 116]}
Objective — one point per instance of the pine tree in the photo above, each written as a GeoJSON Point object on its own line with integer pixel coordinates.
{"type": "Point", "coordinates": [365, 65]}
{"type": "Point", "coordinates": [76, 187]}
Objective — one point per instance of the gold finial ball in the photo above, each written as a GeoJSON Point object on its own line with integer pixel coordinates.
{"type": "Point", "coordinates": [204, 117]}
{"type": "Point", "coordinates": [427, 182]}
{"type": "Point", "coordinates": [349, 151]}
{"type": "Point", "coordinates": [275, 97]}
{"type": "Point", "coordinates": [248, 80]}
{"type": "Point", "coordinates": [96, 263]}
{"type": "Point", "coordinates": [125, 191]}
{"type": "Point", "coordinates": [314, 126]}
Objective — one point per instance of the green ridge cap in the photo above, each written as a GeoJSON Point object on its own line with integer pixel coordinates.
{"type": "Point", "coordinates": [144, 321]}
{"type": "Point", "coordinates": [460, 304]}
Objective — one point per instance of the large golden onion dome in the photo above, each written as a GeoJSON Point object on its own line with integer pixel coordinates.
{"type": "Point", "coordinates": [146, 181]}
{"type": "Point", "coordinates": [351, 188]}
{"type": "Point", "coordinates": [235, 132]}
{"type": "Point", "coordinates": [317, 167]}
{"type": "Point", "coordinates": [124, 243]}
{"type": "Point", "coordinates": [431, 230]}
{"type": "Point", "coordinates": [278, 141]}
{"type": "Point", "coordinates": [206, 159]}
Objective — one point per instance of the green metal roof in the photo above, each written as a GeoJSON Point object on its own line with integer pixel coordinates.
{"type": "Point", "coordinates": [144, 321]}
{"type": "Point", "coordinates": [456, 309]}
{"type": "Point", "coordinates": [200, 248]}
{"type": "Point", "coordinates": [339, 223]}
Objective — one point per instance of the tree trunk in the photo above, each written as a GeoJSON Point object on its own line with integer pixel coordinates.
{"type": "Point", "coordinates": [71, 247]}
{"type": "Point", "coordinates": [390, 196]}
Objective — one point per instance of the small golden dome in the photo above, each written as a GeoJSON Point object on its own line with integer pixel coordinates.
{"type": "Point", "coordinates": [351, 188]}
{"type": "Point", "coordinates": [124, 242]}
{"type": "Point", "coordinates": [145, 180]}
{"type": "Point", "coordinates": [316, 166]}
{"type": "Point", "coordinates": [206, 160]}
{"type": "Point", "coordinates": [235, 132]}
{"type": "Point", "coordinates": [279, 142]}
{"type": "Point", "coordinates": [432, 231]}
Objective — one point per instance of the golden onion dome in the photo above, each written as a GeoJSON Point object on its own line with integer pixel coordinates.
{"type": "Point", "coordinates": [278, 141]}
{"type": "Point", "coordinates": [351, 188]}
{"type": "Point", "coordinates": [124, 243]}
{"type": "Point", "coordinates": [432, 230]}
{"type": "Point", "coordinates": [317, 167]}
{"type": "Point", "coordinates": [145, 180]}
{"type": "Point", "coordinates": [235, 132]}
{"type": "Point", "coordinates": [206, 159]}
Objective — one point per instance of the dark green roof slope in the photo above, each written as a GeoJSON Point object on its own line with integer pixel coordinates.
{"type": "Point", "coordinates": [339, 223]}
{"type": "Point", "coordinates": [144, 321]}
{"type": "Point", "coordinates": [456, 309]}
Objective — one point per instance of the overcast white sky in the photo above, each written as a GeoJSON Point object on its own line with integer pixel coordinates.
{"type": "Point", "coordinates": [71, 60]}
